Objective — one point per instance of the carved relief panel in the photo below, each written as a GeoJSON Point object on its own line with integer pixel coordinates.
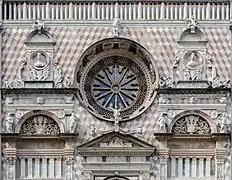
{"type": "Point", "coordinates": [40, 62]}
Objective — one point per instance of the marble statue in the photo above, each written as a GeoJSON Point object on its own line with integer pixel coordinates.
{"type": "Point", "coordinates": [192, 24]}
{"type": "Point", "coordinates": [223, 124]}
{"type": "Point", "coordinates": [39, 25]}
{"type": "Point", "coordinates": [72, 123]}
{"type": "Point", "coordinates": [162, 125]}
{"type": "Point", "coordinates": [9, 123]}
{"type": "Point", "coordinates": [116, 27]}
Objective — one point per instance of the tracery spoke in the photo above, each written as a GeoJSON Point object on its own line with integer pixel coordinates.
{"type": "Point", "coordinates": [109, 99]}
{"type": "Point", "coordinates": [102, 89]}
{"type": "Point", "coordinates": [103, 95]}
{"type": "Point", "coordinates": [107, 76]}
{"type": "Point", "coordinates": [124, 74]}
{"type": "Point", "coordinates": [127, 95]}
{"type": "Point", "coordinates": [101, 81]}
{"type": "Point", "coordinates": [128, 81]}
{"type": "Point", "coordinates": [123, 101]}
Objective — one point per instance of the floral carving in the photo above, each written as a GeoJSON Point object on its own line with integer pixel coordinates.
{"type": "Point", "coordinates": [40, 124]}
{"type": "Point", "coordinates": [191, 124]}
{"type": "Point", "coordinates": [116, 142]}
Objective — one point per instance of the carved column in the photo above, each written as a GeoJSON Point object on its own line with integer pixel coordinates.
{"type": "Point", "coordinates": [220, 163]}
{"type": "Point", "coordinates": [163, 153]}
{"type": "Point", "coordinates": [69, 159]}
{"type": "Point", "coordinates": [11, 162]}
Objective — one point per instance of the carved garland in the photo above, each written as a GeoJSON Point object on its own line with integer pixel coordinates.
{"type": "Point", "coordinates": [40, 124]}
{"type": "Point", "coordinates": [191, 124]}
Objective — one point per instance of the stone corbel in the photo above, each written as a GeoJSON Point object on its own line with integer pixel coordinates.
{"type": "Point", "coordinates": [87, 175]}
{"type": "Point", "coordinates": [144, 175]}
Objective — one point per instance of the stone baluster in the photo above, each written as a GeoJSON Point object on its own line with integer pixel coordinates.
{"type": "Point", "coordinates": [10, 11]}
{"type": "Point", "coordinates": [144, 11]}
{"type": "Point", "coordinates": [201, 167]}
{"type": "Point", "coordinates": [162, 11]}
{"type": "Point", "coordinates": [47, 10]}
{"type": "Point", "coordinates": [65, 11]}
{"type": "Point", "coordinates": [187, 166]}
{"type": "Point", "coordinates": [208, 13]}
{"type": "Point", "coordinates": [107, 11]}
{"type": "Point", "coordinates": [38, 11]}
{"type": "Point", "coordinates": [125, 12]}
{"type": "Point", "coordinates": [103, 11]}
{"type": "Point", "coordinates": [19, 11]}
{"type": "Point", "coordinates": [213, 11]}
{"type": "Point", "coordinates": [59, 167]}
{"type": "Point", "coordinates": [171, 12]}
{"type": "Point", "coordinates": [44, 167]}
{"type": "Point", "coordinates": [116, 9]}
{"type": "Point", "coordinates": [29, 11]}
{"type": "Point", "coordinates": [134, 12]}
{"type": "Point", "coordinates": [180, 167]}
{"type": "Point", "coordinates": [111, 11]}
{"type": "Point", "coordinates": [218, 12]}
{"type": "Point", "coordinates": [57, 11]}
{"type": "Point", "coordinates": [208, 166]}
{"type": "Point", "coordinates": [180, 11]}
{"type": "Point", "coordinates": [227, 12]}
{"type": "Point", "coordinates": [60, 10]}
{"type": "Point", "coordinates": [185, 15]}
{"type": "Point", "coordinates": [157, 12]}
{"type": "Point", "coordinates": [5, 11]}
{"type": "Point", "coordinates": [167, 12]}
{"type": "Point", "coordinates": [53, 12]}
{"type": "Point", "coordinates": [51, 167]}
{"type": "Point", "coordinates": [148, 9]}
{"type": "Point", "coordinates": [199, 11]}
{"type": "Point", "coordinates": [173, 166]}
{"type": "Point", "coordinates": [93, 10]}
{"type": "Point", "coordinates": [195, 11]}
{"type": "Point", "coordinates": [15, 11]}
{"type": "Point", "coordinates": [24, 11]}
{"type": "Point", "coordinates": [194, 167]}
{"type": "Point", "coordinates": [130, 11]}
{"type": "Point", "coordinates": [75, 11]}
{"type": "Point", "coordinates": [80, 12]}
{"type": "Point", "coordinates": [84, 12]}
{"type": "Point", "coordinates": [42, 11]}
{"type": "Point", "coordinates": [22, 167]}
{"type": "Point", "coordinates": [70, 12]}
{"type": "Point", "coordinates": [223, 11]}
{"type": "Point", "coordinates": [29, 167]}
{"type": "Point", "coordinates": [99, 12]}
{"type": "Point", "coordinates": [139, 10]}
{"type": "Point", "coordinates": [190, 13]}
{"type": "Point", "coordinates": [37, 167]}
{"type": "Point", "coordinates": [203, 12]}
{"type": "Point", "coordinates": [153, 15]}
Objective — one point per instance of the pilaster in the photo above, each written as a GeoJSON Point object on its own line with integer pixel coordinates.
{"type": "Point", "coordinates": [11, 162]}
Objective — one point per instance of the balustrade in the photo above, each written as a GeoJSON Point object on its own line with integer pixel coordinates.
{"type": "Point", "coordinates": [40, 168]}
{"type": "Point", "coordinates": [190, 167]}
{"type": "Point", "coordinates": [109, 11]}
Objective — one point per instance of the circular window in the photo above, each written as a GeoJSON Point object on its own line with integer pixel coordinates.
{"type": "Point", "coordinates": [115, 78]}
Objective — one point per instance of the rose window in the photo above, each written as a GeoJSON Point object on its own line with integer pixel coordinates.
{"type": "Point", "coordinates": [115, 87]}
{"type": "Point", "coordinates": [113, 76]}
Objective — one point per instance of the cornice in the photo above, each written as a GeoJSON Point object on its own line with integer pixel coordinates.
{"type": "Point", "coordinates": [193, 91]}
{"type": "Point", "coordinates": [116, 151]}
{"type": "Point", "coordinates": [39, 90]}
{"type": "Point", "coordinates": [125, 1]}
{"type": "Point", "coordinates": [123, 23]}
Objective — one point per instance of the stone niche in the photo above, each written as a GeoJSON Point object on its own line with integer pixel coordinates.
{"type": "Point", "coordinates": [190, 66]}
{"type": "Point", "coordinates": [40, 62]}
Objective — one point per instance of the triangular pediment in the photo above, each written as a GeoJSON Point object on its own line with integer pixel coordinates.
{"type": "Point", "coordinates": [115, 142]}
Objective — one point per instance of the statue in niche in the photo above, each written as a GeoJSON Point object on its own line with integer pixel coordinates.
{"type": "Point", "coordinates": [72, 123]}
{"type": "Point", "coordinates": [39, 25]}
{"type": "Point", "coordinates": [58, 77]}
{"type": "Point", "coordinates": [193, 68]}
{"type": "Point", "coordinates": [192, 24]}
{"type": "Point", "coordinates": [223, 123]}
{"type": "Point", "coordinates": [116, 27]}
{"type": "Point", "coordinates": [162, 125]}
{"type": "Point", "coordinates": [117, 118]}
{"type": "Point", "coordinates": [9, 123]}
{"type": "Point", "coordinates": [19, 78]}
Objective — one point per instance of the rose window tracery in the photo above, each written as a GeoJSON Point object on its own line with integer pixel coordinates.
{"type": "Point", "coordinates": [116, 74]}
{"type": "Point", "coordinates": [39, 124]}
{"type": "Point", "coordinates": [191, 124]}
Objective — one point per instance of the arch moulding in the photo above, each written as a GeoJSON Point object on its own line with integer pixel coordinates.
{"type": "Point", "coordinates": [203, 115]}
{"type": "Point", "coordinates": [38, 112]}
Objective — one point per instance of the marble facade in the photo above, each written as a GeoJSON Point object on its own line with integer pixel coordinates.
{"type": "Point", "coordinates": [115, 90]}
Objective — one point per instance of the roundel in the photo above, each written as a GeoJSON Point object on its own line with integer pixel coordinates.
{"type": "Point", "coordinates": [116, 74]}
